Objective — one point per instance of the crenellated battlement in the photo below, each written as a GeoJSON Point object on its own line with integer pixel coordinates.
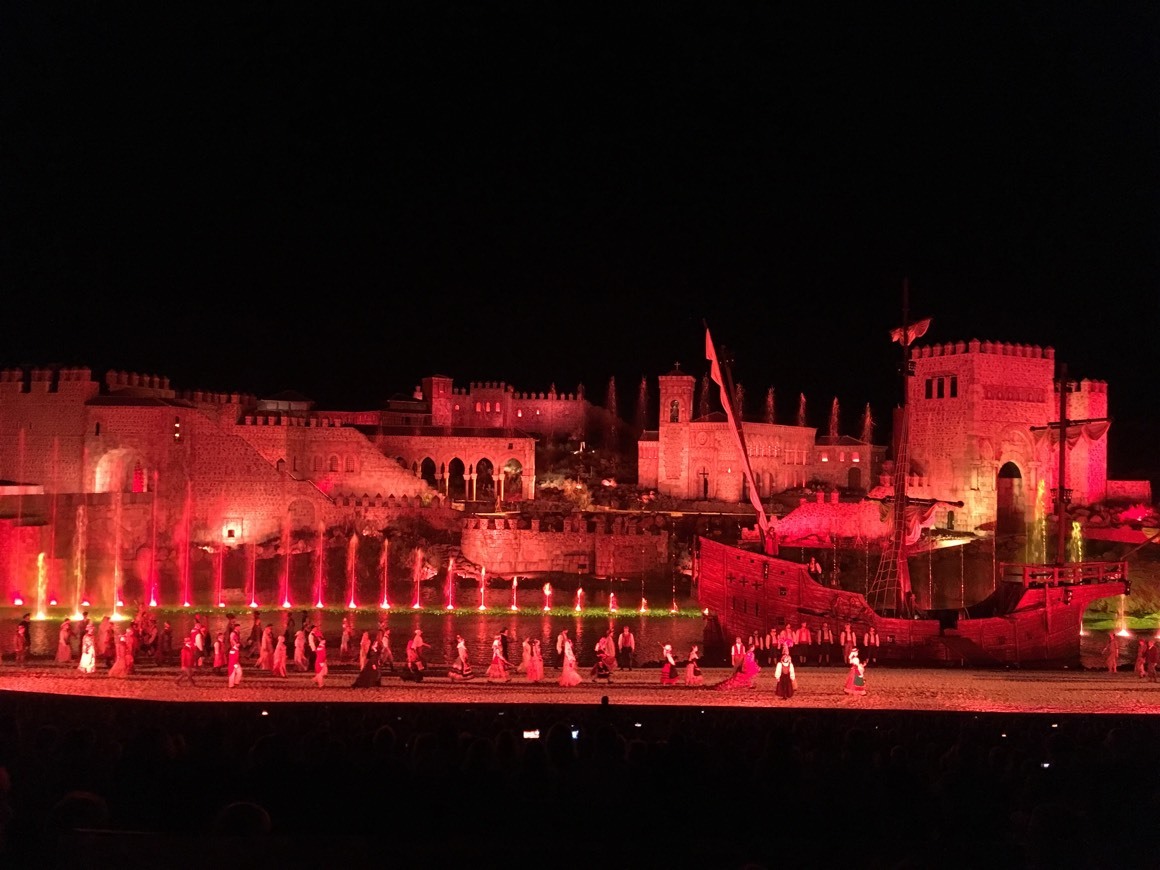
{"type": "Point", "coordinates": [391, 501]}
{"type": "Point", "coordinates": [285, 420]}
{"type": "Point", "coordinates": [118, 380]}
{"type": "Point", "coordinates": [69, 380]}
{"type": "Point", "coordinates": [1000, 348]}
{"type": "Point", "coordinates": [202, 397]}
{"type": "Point", "coordinates": [550, 396]}
{"type": "Point", "coordinates": [1086, 385]}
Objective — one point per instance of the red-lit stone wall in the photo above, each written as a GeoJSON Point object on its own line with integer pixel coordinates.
{"type": "Point", "coordinates": [698, 459]}
{"type": "Point", "coordinates": [590, 546]}
{"type": "Point", "coordinates": [973, 409]}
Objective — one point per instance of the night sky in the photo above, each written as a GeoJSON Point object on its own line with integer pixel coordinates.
{"type": "Point", "coordinates": [341, 199]}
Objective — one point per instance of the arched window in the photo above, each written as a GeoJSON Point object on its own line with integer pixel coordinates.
{"type": "Point", "coordinates": [334, 463]}
{"type": "Point", "coordinates": [317, 463]}
{"type": "Point", "coordinates": [350, 464]}
{"type": "Point", "coordinates": [674, 411]}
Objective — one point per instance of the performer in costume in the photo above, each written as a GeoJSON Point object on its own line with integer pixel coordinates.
{"type": "Point", "coordinates": [321, 668]}
{"type": "Point", "coordinates": [536, 663]}
{"type": "Point", "coordinates": [368, 675]}
{"type": "Point", "coordinates": [461, 669]}
{"type": "Point", "coordinates": [345, 639]}
{"type": "Point", "coordinates": [266, 648]}
{"type": "Point", "coordinates": [364, 647]}
{"type": "Point", "coordinates": [870, 644]}
{"type": "Point", "coordinates": [234, 665]}
{"type": "Point", "coordinates": [64, 642]}
{"type": "Point", "coordinates": [416, 664]}
{"type": "Point", "coordinates": [497, 671]}
{"type": "Point", "coordinates": [300, 661]}
{"type": "Point", "coordinates": [825, 644]}
{"type": "Point", "coordinates": [386, 657]}
{"type": "Point", "coordinates": [804, 645]}
{"type": "Point", "coordinates": [88, 661]}
{"type": "Point", "coordinates": [785, 677]}
{"type": "Point", "coordinates": [525, 656]}
{"type": "Point", "coordinates": [625, 648]}
{"type": "Point", "coordinates": [849, 640]}
{"type": "Point", "coordinates": [278, 669]}
{"type": "Point", "coordinates": [693, 668]}
{"type": "Point", "coordinates": [606, 650]}
{"type": "Point", "coordinates": [856, 680]}
{"type": "Point", "coordinates": [569, 676]}
{"type": "Point", "coordinates": [744, 676]}
{"type": "Point", "coordinates": [120, 666]}
{"type": "Point", "coordinates": [668, 666]}
{"type": "Point", "coordinates": [186, 675]}
{"type": "Point", "coordinates": [219, 654]}
{"type": "Point", "coordinates": [20, 646]}
{"type": "Point", "coordinates": [737, 652]}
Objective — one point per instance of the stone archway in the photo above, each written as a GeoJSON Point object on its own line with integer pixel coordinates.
{"type": "Point", "coordinates": [1010, 505]}
{"type": "Point", "coordinates": [427, 471]}
{"type": "Point", "coordinates": [484, 479]}
{"type": "Point", "coordinates": [456, 480]}
{"type": "Point", "coordinates": [121, 470]}
{"type": "Point", "coordinates": [513, 479]}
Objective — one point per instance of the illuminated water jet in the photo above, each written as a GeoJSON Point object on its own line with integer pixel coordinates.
{"type": "Point", "coordinates": [417, 573]}
{"type": "Point", "coordinates": [384, 573]}
{"type": "Point", "coordinates": [351, 568]}
{"type": "Point", "coordinates": [41, 587]}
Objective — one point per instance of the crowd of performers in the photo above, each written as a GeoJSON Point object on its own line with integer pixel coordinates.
{"type": "Point", "coordinates": [818, 645]}
{"type": "Point", "coordinates": [746, 669]}
{"type": "Point", "coordinates": [118, 646]}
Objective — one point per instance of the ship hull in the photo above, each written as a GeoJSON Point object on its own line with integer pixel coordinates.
{"type": "Point", "coordinates": [1032, 626]}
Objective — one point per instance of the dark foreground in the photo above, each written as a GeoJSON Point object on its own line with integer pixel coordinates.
{"type": "Point", "coordinates": [930, 769]}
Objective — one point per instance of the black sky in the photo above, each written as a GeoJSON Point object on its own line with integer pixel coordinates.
{"type": "Point", "coordinates": [343, 198]}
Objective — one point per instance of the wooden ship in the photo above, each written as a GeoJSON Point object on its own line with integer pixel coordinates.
{"type": "Point", "coordinates": [1033, 617]}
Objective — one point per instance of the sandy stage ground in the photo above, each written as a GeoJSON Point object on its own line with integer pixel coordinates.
{"type": "Point", "coordinates": [1006, 691]}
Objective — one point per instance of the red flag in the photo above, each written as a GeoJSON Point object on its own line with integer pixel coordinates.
{"type": "Point", "coordinates": [735, 427]}
{"type": "Point", "coordinates": [913, 332]}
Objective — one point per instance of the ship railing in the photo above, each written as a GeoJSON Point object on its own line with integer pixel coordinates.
{"type": "Point", "coordinates": [1070, 574]}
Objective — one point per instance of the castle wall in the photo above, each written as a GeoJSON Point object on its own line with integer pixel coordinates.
{"type": "Point", "coordinates": [492, 404]}
{"type": "Point", "coordinates": [42, 427]}
{"type": "Point", "coordinates": [975, 406]}
{"type": "Point", "coordinates": [470, 450]}
{"type": "Point", "coordinates": [338, 460]}
{"type": "Point", "coordinates": [586, 546]}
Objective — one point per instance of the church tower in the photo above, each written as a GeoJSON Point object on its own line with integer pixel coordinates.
{"type": "Point", "coordinates": [676, 412]}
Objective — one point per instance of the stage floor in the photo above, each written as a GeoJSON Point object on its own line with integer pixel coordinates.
{"type": "Point", "coordinates": [888, 688]}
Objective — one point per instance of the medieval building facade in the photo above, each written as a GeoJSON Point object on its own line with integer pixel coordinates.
{"type": "Point", "coordinates": [697, 457]}
{"type": "Point", "coordinates": [149, 465]}
{"type": "Point", "coordinates": [981, 432]}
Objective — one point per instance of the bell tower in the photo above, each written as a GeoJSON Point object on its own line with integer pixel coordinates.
{"type": "Point", "coordinates": [676, 391]}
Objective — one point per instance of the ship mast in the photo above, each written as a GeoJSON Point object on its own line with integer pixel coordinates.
{"type": "Point", "coordinates": [891, 592]}
{"type": "Point", "coordinates": [1062, 492]}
